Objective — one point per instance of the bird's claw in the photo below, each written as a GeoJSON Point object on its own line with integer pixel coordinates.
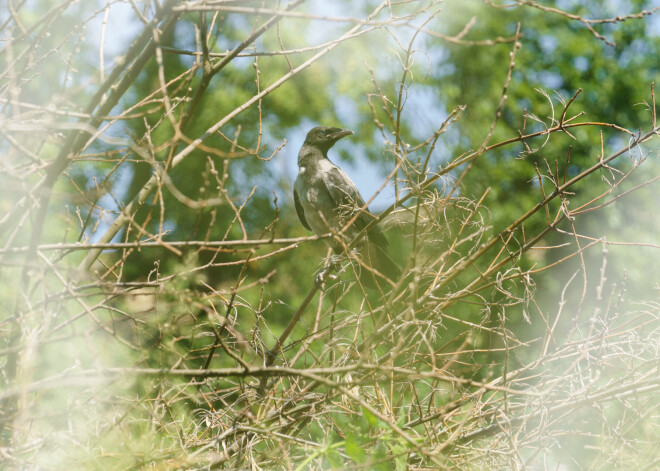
{"type": "Point", "coordinates": [321, 278]}
{"type": "Point", "coordinates": [318, 281]}
{"type": "Point", "coordinates": [326, 273]}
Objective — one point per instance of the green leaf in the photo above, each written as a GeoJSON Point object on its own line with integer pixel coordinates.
{"type": "Point", "coordinates": [372, 419]}
{"type": "Point", "coordinates": [334, 458]}
{"type": "Point", "coordinates": [354, 449]}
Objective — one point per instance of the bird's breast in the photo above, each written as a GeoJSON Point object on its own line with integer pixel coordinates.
{"type": "Point", "coordinates": [319, 208]}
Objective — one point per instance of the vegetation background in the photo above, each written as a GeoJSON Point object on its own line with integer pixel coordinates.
{"type": "Point", "coordinates": [157, 299]}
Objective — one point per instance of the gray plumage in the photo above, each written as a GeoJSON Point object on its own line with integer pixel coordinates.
{"type": "Point", "coordinates": [326, 199]}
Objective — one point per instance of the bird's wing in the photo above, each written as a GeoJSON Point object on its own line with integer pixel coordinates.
{"type": "Point", "coordinates": [299, 210]}
{"type": "Point", "coordinates": [343, 191]}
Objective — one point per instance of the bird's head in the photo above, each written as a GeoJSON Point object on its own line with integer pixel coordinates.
{"type": "Point", "coordinates": [324, 137]}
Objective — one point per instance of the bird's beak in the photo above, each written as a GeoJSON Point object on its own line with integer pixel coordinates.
{"type": "Point", "coordinates": [339, 133]}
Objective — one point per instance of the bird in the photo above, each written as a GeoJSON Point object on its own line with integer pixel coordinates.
{"type": "Point", "coordinates": [326, 200]}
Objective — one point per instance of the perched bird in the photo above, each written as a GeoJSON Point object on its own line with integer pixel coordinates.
{"type": "Point", "coordinates": [327, 200]}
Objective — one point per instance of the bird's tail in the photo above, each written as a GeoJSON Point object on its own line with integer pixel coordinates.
{"type": "Point", "coordinates": [376, 259]}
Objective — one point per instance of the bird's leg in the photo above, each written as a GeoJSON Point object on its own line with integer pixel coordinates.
{"type": "Point", "coordinates": [334, 262]}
